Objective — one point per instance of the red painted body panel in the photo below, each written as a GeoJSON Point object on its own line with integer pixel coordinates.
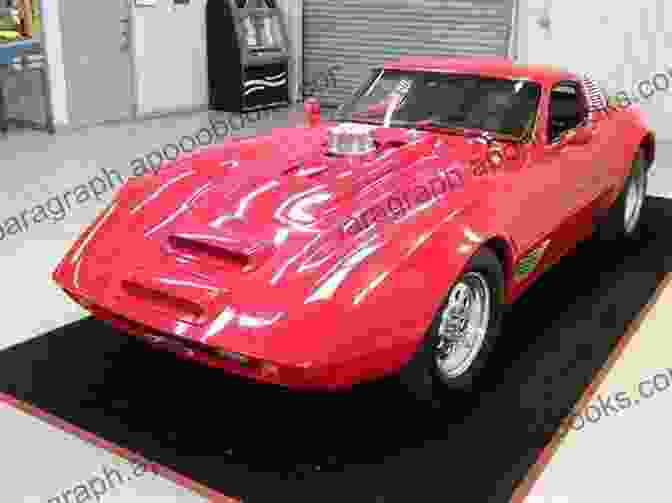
{"type": "Point", "coordinates": [245, 248]}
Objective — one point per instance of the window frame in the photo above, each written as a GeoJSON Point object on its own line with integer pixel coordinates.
{"type": "Point", "coordinates": [582, 101]}
{"type": "Point", "coordinates": [377, 73]}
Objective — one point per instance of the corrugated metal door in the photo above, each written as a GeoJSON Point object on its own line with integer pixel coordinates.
{"type": "Point", "coordinates": [360, 34]}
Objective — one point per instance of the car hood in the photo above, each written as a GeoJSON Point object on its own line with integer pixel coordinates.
{"type": "Point", "coordinates": [264, 221]}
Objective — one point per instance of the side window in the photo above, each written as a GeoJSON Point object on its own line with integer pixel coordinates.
{"type": "Point", "coordinates": [566, 111]}
{"type": "Point", "coordinates": [596, 95]}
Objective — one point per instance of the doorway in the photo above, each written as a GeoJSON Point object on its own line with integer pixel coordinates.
{"type": "Point", "coordinates": [98, 60]}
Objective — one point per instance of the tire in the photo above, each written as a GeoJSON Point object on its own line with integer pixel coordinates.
{"type": "Point", "coordinates": [624, 216]}
{"type": "Point", "coordinates": [423, 375]}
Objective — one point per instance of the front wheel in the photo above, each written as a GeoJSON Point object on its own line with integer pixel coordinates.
{"type": "Point", "coordinates": [461, 335]}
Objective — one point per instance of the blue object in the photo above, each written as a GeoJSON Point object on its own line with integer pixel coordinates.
{"type": "Point", "coordinates": [11, 50]}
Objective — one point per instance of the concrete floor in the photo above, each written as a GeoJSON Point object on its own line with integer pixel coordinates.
{"type": "Point", "coordinates": [36, 473]}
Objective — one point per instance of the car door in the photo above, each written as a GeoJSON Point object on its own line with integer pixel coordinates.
{"type": "Point", "coordinates": [572, 183]}
{"type": "Point", "coordinates": [549, 201]}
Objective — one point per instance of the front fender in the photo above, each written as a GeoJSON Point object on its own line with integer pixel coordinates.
{"type": "Point", "coordinates": [390, 300]}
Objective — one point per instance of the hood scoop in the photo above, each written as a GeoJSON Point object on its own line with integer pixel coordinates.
{"type": "Point", "coordinates": [186, 296]}
{"type": "Point", "coordinates": [160, 300]}
{"type": "Point", "coordinates": [222, 252]}
{"type": "Point", "coordinates": [350, 143]}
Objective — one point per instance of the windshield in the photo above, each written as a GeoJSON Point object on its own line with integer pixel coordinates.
{"type": "Point", "coordinates": [503, 107]}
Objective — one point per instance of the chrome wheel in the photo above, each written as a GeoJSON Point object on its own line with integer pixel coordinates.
{"type": "Point", "coordinates": [464, 323]}
{"type": "Point", "coordinates": [634, 199]}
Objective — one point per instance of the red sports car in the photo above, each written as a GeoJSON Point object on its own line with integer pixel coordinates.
{"type": "Point", "coordinates": [386, 242]}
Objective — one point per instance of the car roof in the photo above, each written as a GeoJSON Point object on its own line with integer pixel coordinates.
{"type": "Point", "coordinates": [491, 66]}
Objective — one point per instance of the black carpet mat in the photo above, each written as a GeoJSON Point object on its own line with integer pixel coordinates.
{"type": "Point", "coordinates": [374, 444]}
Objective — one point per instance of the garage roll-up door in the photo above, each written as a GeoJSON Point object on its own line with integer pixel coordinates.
{"type": "Point", "coordinates": [359, 34]}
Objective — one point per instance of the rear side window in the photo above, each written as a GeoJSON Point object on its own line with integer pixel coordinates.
{"type": "Point", "coordinates": [595, 95]}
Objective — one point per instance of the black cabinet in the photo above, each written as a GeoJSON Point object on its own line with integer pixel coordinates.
{"type": "Point", "coordinates": [248, 55]}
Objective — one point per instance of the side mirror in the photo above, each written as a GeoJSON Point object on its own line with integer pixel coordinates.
{"type": "Point", "coordinates": [311, 108]}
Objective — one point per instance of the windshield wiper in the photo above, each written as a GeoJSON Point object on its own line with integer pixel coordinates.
{"type": "Point", "coordinates": [357, 121]}
{"type": "Point", "coordinates": [430, 125]}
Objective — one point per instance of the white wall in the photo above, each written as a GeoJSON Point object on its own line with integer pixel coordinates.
{"type": "Point", "coordinates": [169, 50]}
{"type": "Point", "coordinates": [53, 46]}
{"type": "Point", "coordinates": [619, 43]}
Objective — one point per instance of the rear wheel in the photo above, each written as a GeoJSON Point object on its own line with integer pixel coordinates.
{"type": "Point", "coordinates": [462, 334]}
